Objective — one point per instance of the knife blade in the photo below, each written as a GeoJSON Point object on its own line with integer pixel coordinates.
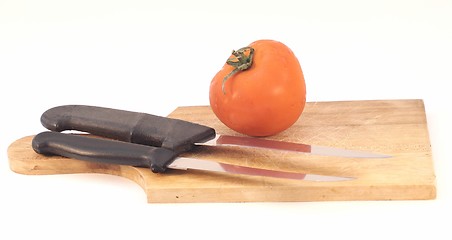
{"type": "Point", "coordinates": [157, 159]}
{"type": "Point", "coordinates": [174, 134]}
{"type": "Point", "coordinates": [241, 141]}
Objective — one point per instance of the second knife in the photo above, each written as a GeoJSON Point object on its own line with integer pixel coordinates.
{"type": "Point", "coordinates": [174, 134]}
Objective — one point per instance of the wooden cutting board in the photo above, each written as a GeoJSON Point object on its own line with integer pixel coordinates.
{"type": "Point", "coordinates": [395, 127]}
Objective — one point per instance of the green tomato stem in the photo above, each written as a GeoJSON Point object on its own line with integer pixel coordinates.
{"type": "Point", "coordinates": [241, 61]}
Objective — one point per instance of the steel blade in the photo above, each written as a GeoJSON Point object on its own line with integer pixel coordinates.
{"type": "Point", "coordinates": [183, 163]}
{"type": "Point", "coordinates": [226, 140]}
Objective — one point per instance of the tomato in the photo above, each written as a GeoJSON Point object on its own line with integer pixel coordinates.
{"type": "Point", "coordinates": [260, 91]}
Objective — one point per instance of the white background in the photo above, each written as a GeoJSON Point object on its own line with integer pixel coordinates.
{"type": "Point", "coordinates": [153, 56]}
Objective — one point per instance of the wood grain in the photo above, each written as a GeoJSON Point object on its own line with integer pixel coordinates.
{"type": "Point", "coordinates": [395, 127]}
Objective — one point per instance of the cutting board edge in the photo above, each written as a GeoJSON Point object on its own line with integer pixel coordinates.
{"type": "Point", "coordinates": [420, 100]}
{"type": "Point", "coordinates": [298, 194]}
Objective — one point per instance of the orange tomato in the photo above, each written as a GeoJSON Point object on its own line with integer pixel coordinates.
{"type": "Point", "coordinates": [260, 91]}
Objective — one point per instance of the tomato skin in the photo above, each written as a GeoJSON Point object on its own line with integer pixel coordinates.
{"type": "Point", "coordinates": [265, 99]}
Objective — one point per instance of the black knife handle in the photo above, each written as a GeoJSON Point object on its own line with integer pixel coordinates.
{"type": "Point", "coordinates": [134, 127]}
{"type": "Point", "coordinates": [102, 150]}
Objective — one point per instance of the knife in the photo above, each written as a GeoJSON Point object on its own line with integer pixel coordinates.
{"type": "Point", "coordinates": [173, 134]}
{"type": "Point", "coordinates": [158, 159]}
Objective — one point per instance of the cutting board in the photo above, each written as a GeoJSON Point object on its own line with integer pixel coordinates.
{"type": "Point", "coordinates": [394, 127]}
